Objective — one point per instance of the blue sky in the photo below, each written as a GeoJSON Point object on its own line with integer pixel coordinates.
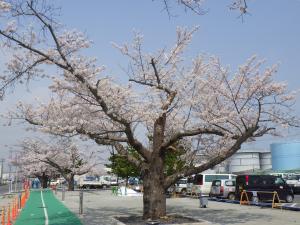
{"type": "Point", "coordinates": [272, 32]}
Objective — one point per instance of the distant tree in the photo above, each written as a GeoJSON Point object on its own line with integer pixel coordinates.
{"type": "Point", "coordinates": [32, 167]}
{"type": "Point", "coordinates": [121, 167]}
{"type": "Point", "coordinates": [61, 156]}
{"type": "Point", "coordinates": [175, 161]}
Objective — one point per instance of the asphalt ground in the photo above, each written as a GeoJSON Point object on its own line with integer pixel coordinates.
{"type": "Point", "coordinates": [42, 208]}
{"type": "Point", "coordinates": [3, 189]}
{"type": "Point", "coordinates": [297, 199]}
{"type": "Point", "coordinates": [100, 207]}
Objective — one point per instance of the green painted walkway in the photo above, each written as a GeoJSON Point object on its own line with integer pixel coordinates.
{"type": "Point", "coordinates": [33, 212]}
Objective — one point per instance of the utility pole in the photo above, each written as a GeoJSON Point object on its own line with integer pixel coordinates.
{"type": "Point", "coordinates": [16, 171]}
{"type": "Point", "coordinates": [1, 175]}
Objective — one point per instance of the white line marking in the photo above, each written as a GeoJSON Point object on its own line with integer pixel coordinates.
{"type": "Point", "coordinates": [45, 210]}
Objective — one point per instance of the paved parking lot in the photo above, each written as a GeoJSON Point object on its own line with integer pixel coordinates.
{"type": "Point", "coordinates": [101, 206]}
{"type": "Point", "coordinates": [297, 199]}
{"type": "Point", "coordinates": [295, 205]}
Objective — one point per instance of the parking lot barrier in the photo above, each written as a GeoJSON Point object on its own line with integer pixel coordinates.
{"type": "Point", "coordinates": [63, 193]}
{"type": "Point", "coordinates": [81, 202]}
{"type": "Point", "coordinates": [244, 200]}
{"type": "Point", "coordinates": [276, 202]}
{"type": "Point", "coordinates": [195, 192]}
{"type": "Point", "coordinates": [10, 213]}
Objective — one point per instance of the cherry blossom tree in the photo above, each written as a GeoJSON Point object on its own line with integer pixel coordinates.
{"type": "Point", "coordinates": [31, 166]}
{"type": "Point", "coordinates": [167, 100]}
{"type": "Point", "coordinates": [196, 6]}
{"type": "Point", "coordinates": [61, 156]}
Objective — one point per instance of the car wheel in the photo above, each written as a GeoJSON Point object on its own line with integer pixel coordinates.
{"type": "Point", "coordinates": [104, 186]}
{"type": "Point", "coordinates": [289, 198]}
{"type": "Point", "coordinates": [231, 196]}
{"type": "Point", "coordinates": [255, 199]}
{"type": "Point", "coordinates": [183, 191]}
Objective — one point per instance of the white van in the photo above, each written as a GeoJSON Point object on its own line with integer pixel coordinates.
{"type": "Point", "coordinates": [202, 182]}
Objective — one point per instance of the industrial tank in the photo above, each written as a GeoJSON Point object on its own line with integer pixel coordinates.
{"type": "Point", "coordinates": [285, 156]}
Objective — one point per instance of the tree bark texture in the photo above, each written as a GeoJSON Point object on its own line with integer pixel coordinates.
{"type": "Point", "coordinates": [44, 180]}
{"type": "Point", "coordinates": [154, 197]}
{"type": "Point", "coordinates": [70, 180]}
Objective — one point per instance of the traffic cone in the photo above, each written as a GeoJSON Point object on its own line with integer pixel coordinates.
{"type": "Point", "coordinates": [3, 216]}
{"type": "Point", "coordinates": [13, 211]}
{"type": "Point", "coordinates": [8, 216]}
{"type": "Point", "coordinates": [21, 201]}
{"type": "Point", "coordinates": [16, 207]}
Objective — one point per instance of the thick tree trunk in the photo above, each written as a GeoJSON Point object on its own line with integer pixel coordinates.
{"type": "Point", "coordinates": [154, 197]}
{"type": "Point", "coordinates": [70, 181]}
{"type": "Point", "coordinates": [44, 180]}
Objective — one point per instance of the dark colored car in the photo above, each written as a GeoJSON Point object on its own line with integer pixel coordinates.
{"type": "Point", "coordinates": [258, 187]}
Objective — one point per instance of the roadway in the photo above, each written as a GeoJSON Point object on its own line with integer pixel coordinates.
{"type": "Point", "coordinates": [3, 189]}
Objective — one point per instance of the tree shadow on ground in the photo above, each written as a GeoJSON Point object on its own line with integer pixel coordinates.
{"type": "Point", "coordinates": [221, 216]}
{"type": "Point", "coordinates": [93, 217]}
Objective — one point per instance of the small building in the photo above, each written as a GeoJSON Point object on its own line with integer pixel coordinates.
{"type": "Point", "coordinates": [249, 160]}
{"type": "Point", "coordinates": [246, 160]}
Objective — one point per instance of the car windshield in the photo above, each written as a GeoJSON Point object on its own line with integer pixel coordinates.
{"type": "Point", "coordinates": [230, 183]}
{"type": "Point", "coordinates": [182, 182]}
{"type": "Point", "coordinates": [279, 180]}
{"type": "Point", "coordinates": [90, 178]}
{"type": "Point", "coordinates": [293, 177]}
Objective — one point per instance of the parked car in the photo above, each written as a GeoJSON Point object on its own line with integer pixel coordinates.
{"type": "Point", "coordinates": [201, 183]}
{"type": "Point", "coordinates": [91, 182]}
{"type": "Point", "coordinates": [181, 186]}
{"type": "Point", "coordinates": [223, 189]}
{"type": "Point", "coordinates": [292, 179]}
{"type": "Point", "coordinates": [114, 181]}
{"type": "Point", "coordinates": [58, 181]}
{"type": "Point", "coordinates": [136, 184]}
{"type": "Point", "coordinates": [294, 182]}
{"type": "Point", "coordinates": [133, 181]}
{"type": "Point", "coordinates": [262, 186]}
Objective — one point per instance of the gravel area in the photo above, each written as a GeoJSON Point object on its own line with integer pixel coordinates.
{"type": "Point", "coordinates": [6, 199]}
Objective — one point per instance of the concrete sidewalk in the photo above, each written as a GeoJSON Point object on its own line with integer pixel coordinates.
{"type": "Point", "coordinates": [101, 206]}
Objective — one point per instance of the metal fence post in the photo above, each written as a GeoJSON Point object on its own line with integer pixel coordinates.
{"type": "Point", "coordinates": [63, 193]}
{"type": "Point", "coordinates": [80, 202]}
{"type": "Point", "coordinates": [19, 200]}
